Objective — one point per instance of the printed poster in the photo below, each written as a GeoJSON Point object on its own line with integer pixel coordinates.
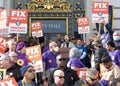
{"type": "Point", "coordinates": [3, 44]}
{"type": "Point", "coordinates": [3, 18]}
{"type": "Point", "coordinates": [37, 29]}
{"type": "Point", "coordinates": [5, 30]}
{"type": "Point", "coordinates": [18, 21]}
{"type": "Point", "coordinates": [100, 12]}
{"type": "Point", "coordinates": [35, 57]}
{"type": "Point", "coordinates": [83, 25]}
{"type": "Point", "coordinates": [8, 82]}
{"type": "Point", "coordinates": [81, 73]}
{"type": "Point", "coordinates": [2, 73]}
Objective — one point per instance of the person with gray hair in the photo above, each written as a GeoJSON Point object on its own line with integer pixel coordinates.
{"type": "Point", "coordinates": [74, 62]}
{"type": "Point", "coordinates": [91, 79]}
{"type": "Point", "coordinates": [11, 70]}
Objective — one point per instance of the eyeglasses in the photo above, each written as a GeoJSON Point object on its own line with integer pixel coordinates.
{"type": "Point", "coordinates": [61, 77]}
{"type": "Point", "coordinates": [62, 59]}
{"type": "Point", "coordinates": [30, 71]}
{"type": "Point", "coordinates": [93, 79]}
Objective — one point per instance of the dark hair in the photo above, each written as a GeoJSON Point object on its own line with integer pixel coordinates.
{"type": "Point", "coordinates": [106, 58]}
{"type": "Point", "coordinates": [111, 43]}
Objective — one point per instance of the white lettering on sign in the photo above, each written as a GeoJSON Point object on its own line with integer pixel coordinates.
{"type": "Point", "coordinates": [18, 13]}
{"type": "Point", "coordinates": [100, 5]}
{"type": "Point", "coordinates": [3, 42]}
{"type": "Point", "coordinates": [83, 20]}
{"type": "Point", "coordinates": [8, 83]}
{"type": "Point", "coordinates": [32, 51]}
{"type": "Point", "coordinates": [82, 73]}
{"type": "Point", "coordinates": [36, 25]}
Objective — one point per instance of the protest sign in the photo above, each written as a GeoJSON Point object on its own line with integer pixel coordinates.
{"type": "Point", "coordinates": [100, 12]}
{"type": "Point", "coordinates": [37, 29]}
{"type": "Point", "coordinates": [8, 82]}
{"type": "Point", "coordinates": [3, 44]}
{"type": "Point", "coordinates": [2, 73]}
{"type": "Point", "coordinates": [34, 57]}
{"type": "Point", "coordinates": [18, 21]}
{"type": "Point", "coordinates": [83, 25]}
{"type": "Point", "coordinates": [3, 18]}
{"type": "Point", "coordinates": [5, 30]}
{"type": "Point", "coordinates": [81, 73]}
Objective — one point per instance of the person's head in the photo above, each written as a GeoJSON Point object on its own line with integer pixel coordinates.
{"type": "Point", "coordinates": [28, 72]}
{"type": "Point", "coordinates": [10, 36]}
{"type": "Point", "coordinates": [21, 47]}
{"type": "Point", "coordinates": [61, 61]}
{"type": "Point", "coordinates": [97, 43]}
{"type": "Point", "coordinates": [106, 61]}
{"type": "Point", "coordinates": [12, 45]}
{"type": "Point", "coordinates": [59, 37]}
{"type": "Point", "coordinates": [110, 45]}
{"type": "Point", "coordinates": [79, 42]}
{"type": "Point", "coordinates": [5, 61]}
{"type": "Point", "coordinates": [13, 56]}
{"type": "Point", "coordinates": [92, 37]}
{"type": "Point", "coordinates": [116, 36]}
{"type": "Point", "coordinates": [66, 38]}
{"type": "Point", "coordinates": [74, 52]}
{"type": "Point", "coordinates": [92, 76]}
{"type": "Point", "coordinates": [106, 27]}
{"type": "Point", "coordinates": [58, 77]}
{"type": "Point", "coordinates": [53, 47]}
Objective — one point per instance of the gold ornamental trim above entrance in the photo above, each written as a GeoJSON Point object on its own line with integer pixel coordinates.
{"type": "Point", "coordinates": [49, 6]}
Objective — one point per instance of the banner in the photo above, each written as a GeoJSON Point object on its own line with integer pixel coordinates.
{"type": "Point", "coordinates": [18, 21]}
{"type": "Point", "coordinates": [37, 29]}
{"type": "Point", "coordinates": [3, 44]}
{"type": "Point", "coordinates": [100, 12]}
{"type": "Point", "coordinates": [5, 30]}
{"type": "Point", "coordinates": [3, 18]}
{"type": "Point", "coordinates": [8, 82]}
{"type": "Point", "coordinates": [35, 57]}
{"type": "Point", "coordinates": [2, 73]}
{"type": "Point", "coordinates": [81, 73]}
{"type": "Point", "coordinates": [110, 21]}
{"type": "Point", "coordinates": [83, 25]}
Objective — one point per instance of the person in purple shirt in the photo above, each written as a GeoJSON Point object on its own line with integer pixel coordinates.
{"type": "Point", "coordinates": [49, 57]}
{"type": "Point", "coordinates": [20, 48]}
{"type": "Point", "coordinates": [12, 47]}
{"type": "Point", "coordinates": [74, 62]}
{"type": "Point", "coordinates": [107, 35]}
{"type": "Point", "coordinates": [113, 52]}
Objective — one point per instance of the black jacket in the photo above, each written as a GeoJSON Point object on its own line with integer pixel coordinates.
{"type": "Point", "coordinates": [70, 76]}
{"type": "Point", "coordinates": [15, 69]}
{"type": "Point", "coordinates": [98, 55]}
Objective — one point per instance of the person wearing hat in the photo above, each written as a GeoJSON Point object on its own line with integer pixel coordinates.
{"type": "Point", "coordinates": [20, 48]}
{"type": "Point", "coordinates": [99, 52]}
{"type": "Point", "coordinates": [28, 74]}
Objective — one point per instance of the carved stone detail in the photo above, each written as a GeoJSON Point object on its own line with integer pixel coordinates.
{"type": "Point", "coordinates": [49, 5]}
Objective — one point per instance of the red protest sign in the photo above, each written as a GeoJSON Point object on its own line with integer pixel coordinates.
{"type": "Point", "coordinates": [83, 25]}
{"type": "Point", "coordinates": [5, 30]}
{"type": "Point", "coordinates": [18, 21]}
{"type": "Point", "coordinates": [37, 29]}
{"type": "Point", "coordinates": [100, 12]}
{"type": "Point", "coordinates": [35, 57]}
{"type": "Point", "coordinates": [3, 44]}
{"type": "Point", "coordinates": [3, 18]}
{"type": "Point", "coordinates": [81, 73]}
{"type": "Point", "coordinates": [8, 82]}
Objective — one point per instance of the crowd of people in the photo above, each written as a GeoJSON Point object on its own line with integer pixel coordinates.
{"type": "Point", "coordinates": [100, 57]}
